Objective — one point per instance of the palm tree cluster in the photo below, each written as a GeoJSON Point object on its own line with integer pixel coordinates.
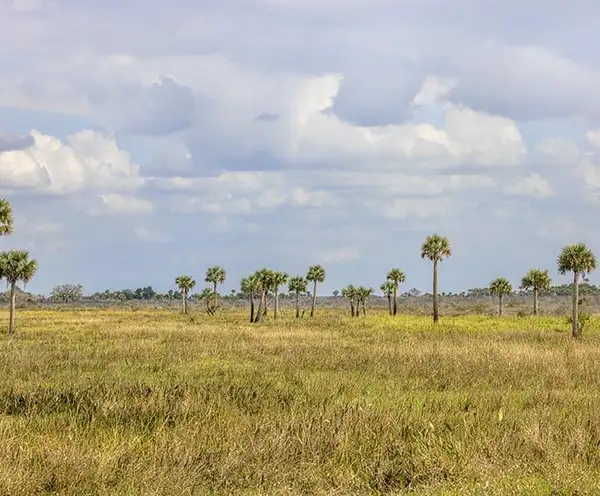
{"type": "Point", "coordinates": [15, 265]}
{"type": "Point", "coordinates": [357, 296]}
{"type": "Point", "coordinates": [214, 275]}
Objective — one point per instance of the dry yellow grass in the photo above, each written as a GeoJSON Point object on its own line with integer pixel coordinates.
{"type": "Point", "coordinates": [151, 402]}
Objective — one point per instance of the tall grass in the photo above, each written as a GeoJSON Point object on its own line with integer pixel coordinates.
{"type": "Point", "coordinates": [150, 402]}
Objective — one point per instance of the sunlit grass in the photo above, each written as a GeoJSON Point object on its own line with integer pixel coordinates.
{"type": "Point", "coordinates": [152, 402]}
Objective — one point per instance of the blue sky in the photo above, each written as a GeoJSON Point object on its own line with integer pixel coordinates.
{"type": "Point", "coordinates": [144, 140]}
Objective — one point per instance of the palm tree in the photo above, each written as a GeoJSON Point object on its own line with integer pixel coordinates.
{"type": "Point", "coordinates": [215, 275]}
{"type": "Point", "coordinates": [297, 285]}
{"type": "Point", "coordinates": [315, 274]}
{"type": "Point", "coordinates": [388, 288]}
{"type": "Point", "coordinates": [16, 266]}
{"type": "Point", "coordinates": [6, 218]}
{"type": "Point", "coordinates": [264, 281]}
{"type": "Point", "coordinates": [436, 248]}
{"type": "Point", "coordinates": [249, 287]}
{"type": "Point", "coordinates": [278, 279]}
{"type": "Point", "coordinates": [350, 292]}
{"type": "Point", "coordinates": [185, 285]}
{"type": "Point", "coordinates": [538, 280]}
{"type": "Point", "coordinates": [580, 260]}
{"type": "Point", "coordinates": [500, 287]}
{"type": "Point", "coordinates": [396, 276]}
{"type": "Point", "coordinates": [363, 294]}
{"type": "Point", "coordinates": [207, 295]}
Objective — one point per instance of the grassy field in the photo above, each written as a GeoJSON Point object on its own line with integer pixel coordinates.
{"type": "Point", "coordinates": [151, 402]}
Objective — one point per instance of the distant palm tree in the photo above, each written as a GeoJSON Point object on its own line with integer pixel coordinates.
{"type": "Point", "coordinates": [436, 248]}
{"type": "Point", "coordinates": [396, 276]}
{"type": "Point", "coordinates": [316, 274]}
{"type": "Point", "coordinates": [351, 293]}
{"type": "Point", "coordinates": [207, 295]}
{"type": "Point", "coordinates": [264, 278]}
{"type": "Point", "coordinates": [298, 285]}
{"type": "Point", "coordinates": [500, 287]}
{"type": "Point", "coordinates": [388, 288]}
{"type": "Point", "coordinates": [278, 279]}
{"type": "Point", "coordinates": [538, 280]}
{"type": "Point", "coordinates": [250, 288]}
{"type": "Point", "coordinates": [363, 295]}
{"type": "Point", "coordinates": [580, 260]}
{"type": "Point", "coordinates": [185, 285]}
{"type": "Point", "coordinates": [15, 267]}
{"type": "Point", "coordinates": [6, 218]}
{"type": "Point", "coordinates": [215, 276]}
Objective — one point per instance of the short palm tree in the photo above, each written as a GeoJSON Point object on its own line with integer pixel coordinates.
{"type": "Point", "coordinates": [316, 274]}
{"type": "Point", "coordinates": [500, 287]}
{"type": "Point", "coordinates": [363, 295]}
{"type": "Point", "coordinates": [185, 285]}
{"type": "Point", "coordinates": [537, 280]}
{"type": "Point", "coordinates": [388, 288]}
{"type": "Point", "coordinates": [297, 285]}
{"type": "Point", "coordinates": [264, 281]}
{"type": "Point", "coordinates": [351, 293]}
{"type": "Point", "coordinates": [250, 288]}
{"type": "Point", "coordinates": [15, 267]}
{"type": "Point", "coordinates": [278, 279]}
{"type": "Point", "coordinates": [6, 218]}
{"type": "Point", "coordinates": [580, 260]}
{"type": "Point", "coordinates": [215, 276]}
{"type": "Point", "coordinates": [396, 276]}
{"type": "Point", "coordinates": [207, 296]}
{"type": "Point", "coordinates": [436, 248]}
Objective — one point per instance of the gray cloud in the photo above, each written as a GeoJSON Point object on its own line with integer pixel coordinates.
{"type": "Point", "coordinates": [9, 141]}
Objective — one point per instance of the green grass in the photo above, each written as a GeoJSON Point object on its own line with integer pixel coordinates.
{"type": "Point", "coordinates": [151, 402]}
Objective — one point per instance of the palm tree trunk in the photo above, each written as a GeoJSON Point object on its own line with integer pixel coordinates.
{"type": "Point", "coordinates": [184, 302]}
{"type": "Point", "coordinates": [314, 299]}
{"type": "Point", "coordinates": [395, 300]}
{"type": "Point", "coordinates": [13, 301]}
{"type": "Point", "coordinates": [357, 308]}
{"type": "Point", "coordinates": [390, 303]}
{"type": "Point", "coordinates": [535, 301]}
{"type": "Point", "coordinates": [352, 308]}
{"type": "Point", "coordinates": [436, 315]}
{"type": "Point", "coordinates": [251, 307]}
{"type": "Point", "coordinates": [364, 308]}
{"type": "Point", "coordinates": [276, 304]}
{"type": "Point", "coordinates": [500, 305]}
{"type": "Point", "coordinates": [261, 306]}
{"type": "Point", "coordinates": [214, 295]}
{"type": "Point", "coordinates": [297, 305]}
{"type": "Point", "coordinates": [575, 325]}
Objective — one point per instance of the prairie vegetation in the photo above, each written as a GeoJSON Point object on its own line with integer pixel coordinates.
{"type": "Point", "coordinates": [156, 402]}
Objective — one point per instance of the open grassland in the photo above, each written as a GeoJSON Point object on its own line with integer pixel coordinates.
{"type": "Point", "coordinates": [151, 402]}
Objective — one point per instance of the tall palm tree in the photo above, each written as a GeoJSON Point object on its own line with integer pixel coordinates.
{"type": "Point", "coordinates": [388, 288]}
{"type": "Point", "coordinates": [6, 218]}
{"type": "Point", "coordinates": [316, 274]}
{"type": "Point", "coordinates": [538, 280]}
{"type": "Point", "coordinates": [396, 276]}
{"type": "Point", "coordinates": [297, 285]}
{"type": "Point", "coordinates": [580, 260]}
{"type": "Point", "coordinates": [215, 275]}
{"type": "Point", "coordinates": [351, 293]}
{"type": "Point", "coordinates": [15, 267]}
{"type": "Point", "coordinates": [500, 287]}
{"type": "Point", "coordinates": [185, 285]}
{"type": "Point", "coordinates": [436, 248]}
{"type": "Point", "coordinates": [250, 288]}
{"type": "Point", "coordinates": [278, 279]}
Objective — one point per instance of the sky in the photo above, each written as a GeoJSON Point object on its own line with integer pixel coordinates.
{"type": "Point", "coordinates": [143, 140]}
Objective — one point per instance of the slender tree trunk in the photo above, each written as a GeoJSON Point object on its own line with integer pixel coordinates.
{"type": "Point", "coordinates": [13, 301]}
{"type": "Point", "coordinates": [297, 305]}
{"type": "Point", "coordinates": [184, 302]}
{"type": "Point", "coordinates": [535, 301]}
{"type": "Point", "coordinates": [575, 325]}
{"type": "Point", "coordinates": [364, 308]}
{"type": "Point", "coordinates": [352, 308]}
{"type": "Point", "coordinates": [260, 315]}
{"type": "Point", "coordinates": [395, 299]}
{"type": "Point", "coordinates": [499, 305]}
{"type": "Point", "coordinates": [436, 315]}
{"type": "Point", "coordinates": [215, 302]}
{"type": "Point", "coordinates": [251, 307]}
{"type": "Point", "coordinates": [390, 303]}
{"type": "Point", "coordinates": [276, 304]}
{"type": "Point", "coordinates": [314, 299]}
{"type": "Point", "coordinates": [357, 308]}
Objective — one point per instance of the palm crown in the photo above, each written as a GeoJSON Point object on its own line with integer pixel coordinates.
{"type": "Point", "coordinates": [436, 248]}
{"type": "Point", "coordinates": [215, 275]}
{"type": "Point", "coordinates": [298, 285]}
{"type": "Point", "coordinates": [316, 273]}
{"type": "Point", "coordinates": [6, 218]}
{"type": "Point", "coordinates": [16, 266]}
{"type": "Point", "coordinates": [576, 258]}
{"type": "Point", "coordinates": [279, 278]}
{"type": "Point", "coordinates": [500, 287]}
{"type": "Point", "coordinates": [396, 276]}
{"type": "Point", "coordinates": [185, 283]}
{"type": "Point", "coordinates": [387, 288]}
{"type": "Point", "coordinates": [537, 279]}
